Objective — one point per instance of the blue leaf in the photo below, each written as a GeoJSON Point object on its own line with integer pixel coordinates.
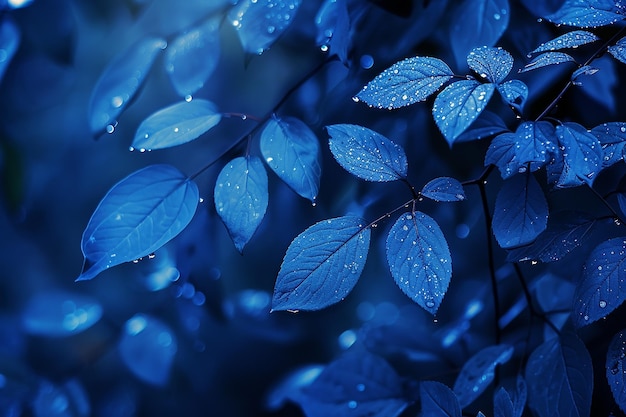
{"type": "Point", "coordinates": [192, 57]}
{"type": "Point", "coordinates": [581, 155]}
{"type": "Point", "coordinates": [290, 386]}
{"type": "Point", "coordinates": [241, 197]}
{"type": "Point", "coordinates": [514, 92]}
{"type": "Point", "coordinates": [419, 259]}
{"type": "Point", "coordinates": [136, 217]}
{"type": "Point", "coordinates": [478, 23]}
{"type": "Point", "coordinates": [616, 369]}
{"type": "Point", "coordinates": [519, 396]}
{"type": "Point", "coordinates": [612, 138]}
{"type": "Point", "coordinates": [571, 39]}
{"type": "Point", "coordinates": [259, 23]}
{"type": "Point", "coordinates": [564, 233]}
{"type": "Point", "coordinates": [521, 211]}
{"type": "Point", "coordinates": [367, 154]}
{"type": "Point", "coordinates": [478, 372]}
{"type": "Point", "coordinates": [438, 400]}
{"type": "Point", "coordinates": [502, 404]}
{"type": "Point", "coordinates": [148, 347]}
{"type": "Point", "coordinates": [406, 82]}
{"type": "Point", "coordinates": [120, 81]}
{"type": "Point", "coordinates": [548, 58]}
{"type": "Point", "coordinates": [358, 384]}
{"type": "Point", "coordinates": [175, 125]}
{"type": "Point", "coordinates": [333, 28]}
{"type": "Point", "coordinates": [488, 124]}
{"type": "Point", "coordinates": [10, 38]}
{"type": "Point", "coordinates": [58, 314]}
{"type": "Point", "coordinates": [602, 287]}
{"type": "Point", "coordinates": [585, 70]}
{"type": "Point", "coordinates": [587, 13]}
{"type": "Point", "coordinates": [292, 150]}
{"type": "Point", "coordinates": [619, 50]}
{"type": "Point", "coordinates": [559, 375]}
{"type": "Point", "coordinates": [458, 105]}
{"type": "Point", "coordinates": [601, 87]}
{"type": "Point", "coordinates": [531, 144]}
{"type": "Point", "coordinates": [492, 64]}
{"type": "Point", "coordinates": [322, 264]}
{"type": "Point", "coordinates": [444, 189]}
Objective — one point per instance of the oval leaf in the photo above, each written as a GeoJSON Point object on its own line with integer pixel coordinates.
{"type": "Point", "coordinates": [581, 155]}
{"type": "Point", "coordinates": [120, 81]}
{"type": "Point", "coordinates": [322, 265]}
{"type": "Point", "coordinates": [136, 217]}
{"type": "Point", "coordinates": [571, 39]}
{"type": "Point", "coordinates": [438, 400]}
{"type": "Point", "coordinates": [602, 288]}
{"type": "Point", "coordinates": [10, 38]}
{"type": "Point", "coordinates": [458, 105]}
{"type": "Point", "coordinates": [58, 313]}
{"type": "Point", "coordinates": [177, 124]}
{"type": "Point", "coordinates": [478, 372]}
{"type": "Point", "coordinates": [148, 347]}
{"type": "Point", "coordinates": [514, 92]}
{"type": "Point", "coordinates": [521, 211]}
{"type": "Point", "coordinates": [366, 153]}
{"type": "Point", "coordinates": [492, 64]}
{"type": "Point", "coordinates": [444, 189]}
{"type": "Point", "coordinates": [548, 58]}
{"type": "Point", "coordinates": [406, 82]}
{"type": "Point", "coordinates": [358, 384]}
{"type": "Point", "coordinates": [612, 137]}
{"type": "Point", "coordinates": [616, 369]}
{"type": "Point", "coordinates": [192, 57]}
{"type": "Point", "coordinates": [559, 375]}
{"type": "Point", "coordinates": [419, 259]}
{"type": "Point", "coordinates": [478, 23]}
{"type": "Point", "coordinates": [587, 13]}
{"type": "Point", "coordinates": [259, 23]}
{"type": "Point", "coordinates": [619, 50]}
{"type": "Point", "coordinates": [292, 150]}
{"type": "Point", "coordinates": [241, 198]}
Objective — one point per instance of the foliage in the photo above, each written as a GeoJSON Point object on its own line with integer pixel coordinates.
{"type": "Point", "coordinates": [444, 182]}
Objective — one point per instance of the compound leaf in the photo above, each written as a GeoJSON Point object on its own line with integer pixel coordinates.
{"type": "Point", "coordinates": [192, 57]}
{"type": "Point", "coordinates": [602, 288]}
{"type": "Point", "coordinates": [586, 13]}
{"type": "Point", "coordinates": [406, 82]}
{"type": "Point", "coordinates": [358, 384]}
{"type": "Point", "coordinates": [322, 264]}
{"type": "Point", "coordinates": [530, 145]}
{"type": "Point", "coordinates": [136, 217]}
{"type": "Point", "coordinates": [444, 189]}
{"type": "Point", "coordinates": [419, 259]}
{"type": "Point", "coordinates": [564, 233]}
{"type": "Point", "coordinates": [521, 211]}
{"type": "Point", "coordinates": [581, 155]}
{"type": "Point", "coordinates": [120, 81]}
{"type": "Point", "coordinates": [292, 150]}
{"type": "Point", "coordinates": [571, 39]}
{"type": "Point", "coordinates": [478, 372]}
{"type": "Point", "coordinates": [548, 58]}
{"type": "Point", "coordinates": [616, 369]}
{"type": "Point", "coordinates": [612, 137]}
{"type": "Point", "coordinates": [241, 197]}
{"type": "Point", "coordinates": [559, 375]}
{"type": "Point", "coordinates": [367, 154]}
{"type": "Point", "coordinates": [619, 50]}
{"type": "Point", "coordinates": [492, 64]}
{"type": "Point", "coordinates": [259, 23]}
{"type": "Point", "coordinates": [458, 105]}
{"type": "Point", "coordinates": [438, 400]}
{"type": "Point", "coordinates": [176, 124]}
{"type": "Point", "coordinates": [478, 23]}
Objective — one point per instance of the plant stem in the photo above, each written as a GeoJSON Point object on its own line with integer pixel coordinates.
{"type": "Point", "coordinates": [616, 215]}
{"type": "Point", "coordinates": [529, 299]}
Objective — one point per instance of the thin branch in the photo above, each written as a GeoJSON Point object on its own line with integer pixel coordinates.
{"type": "Point", "coordinates": [529, 300]}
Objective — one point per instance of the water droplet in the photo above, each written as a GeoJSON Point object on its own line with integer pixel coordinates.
{"type": "Point", "coordinates": [360, 387]}
{"type": "Point", "coordinates": [188, 98]}
{"type": "Point", "coordinates": [602, 304]}
{"type": "Point", "coordinates": [497, 16]}
{"type": "Point", "coordinates": [352, 404]}
{"type": "Point", "coordinates": [367, 61]}
{"type": "Point", "coordinates": [586, 317]}
{"type": "Point", "coordinates": [430, 303]}
{"type": "Point", "coordinates": [110, 129]}
{"type": "Point", "coordinates": [271, 29]}
{"type": "Point", "coordinates": [324, 48]}
{"type": "Point", "coordinates": [152, 256]}
{"type": "Point", "coordinates": [355, 99]}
